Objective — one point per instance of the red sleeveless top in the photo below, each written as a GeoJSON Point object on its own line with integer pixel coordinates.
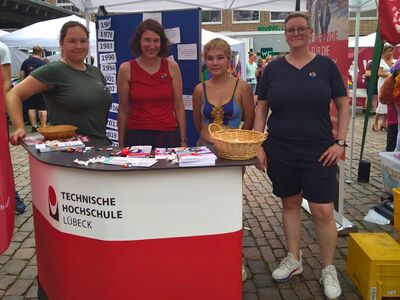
{"type": "Point", "coordinates": [151, 99]}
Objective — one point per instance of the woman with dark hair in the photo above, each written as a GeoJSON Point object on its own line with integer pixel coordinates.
{"type": "Point", "coordinates": [151, 110]}
{"type": "Point", "coordinates": [75, 92]}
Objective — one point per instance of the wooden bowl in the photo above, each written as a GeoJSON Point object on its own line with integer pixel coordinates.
{"type": "Point", "coordinates": [58, 131]}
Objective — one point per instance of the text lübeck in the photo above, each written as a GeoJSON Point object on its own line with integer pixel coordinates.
{"type": "Point", "coordinates": [91, 212]}
{"type": "Point", "coordinates": [77, 222]}
{"type": "Point", "coordinates": [88, 199]}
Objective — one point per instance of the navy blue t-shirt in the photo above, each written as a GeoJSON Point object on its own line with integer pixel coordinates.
{"type": "Point", "coordinates": [299, 100]}
{"type": "Point", "coordinates": [30, 64]}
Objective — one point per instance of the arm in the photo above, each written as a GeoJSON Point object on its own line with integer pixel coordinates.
{"type": "Point", "coordinates": [124, 75]}
{"type": "Point", "coordinates": [179, 108]}
{"type": "Point", "coordinates": [6, 71]}
{"type": "Point", "coordinates": [22, 75]}
{"type": "Point", "coordinates": [247, 101]}
{"type": "Point", "coordinates": [14, 99]}
{"type": "Point", "coordinates": [332, 155]}
{"type": "Point", "coordinates": [196, 99]}
{"type": "Point", "coordinates": [262, 109]}
{"type": "Point", "coordinates": [381, 73]}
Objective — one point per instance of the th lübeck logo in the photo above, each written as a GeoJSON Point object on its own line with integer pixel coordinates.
{"type": "Point", "coordinates": [53, 204]}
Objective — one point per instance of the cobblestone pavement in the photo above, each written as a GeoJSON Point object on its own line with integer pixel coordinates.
{"type": "Point", "coordinates": [263, 241]}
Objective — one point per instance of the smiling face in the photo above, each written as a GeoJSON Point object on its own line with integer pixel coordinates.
{"type": "Point", "coordinates": [297, 33]}
{"type": "Point", "coordinates": [150, 44]}
{"type": "Point", "coordinates": [75, 44]}
{"type": "Point", "coordinates": [217, 61]}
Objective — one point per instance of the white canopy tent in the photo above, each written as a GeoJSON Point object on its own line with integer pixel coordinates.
{"type": "Point", "coordinates": [45, 34]}
{"type": "Point", "coordinates": [363, 41]}
{"type": "Point", "coordinates": [2, 32]}
{"type": "Point", "coordinates": [159, 5]}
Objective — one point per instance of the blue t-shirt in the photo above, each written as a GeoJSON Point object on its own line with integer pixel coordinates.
{"type": "Point", "coordinates": [299, 100]}
{"type": "Point", "coordinates": [30, 64]}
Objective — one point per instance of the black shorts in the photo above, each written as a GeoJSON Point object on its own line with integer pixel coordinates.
{"type": "Point", "coordinates": [155, 138]}
{"type": "Point", "coordinates": [36, 102]}
{"type": "Point", "coordinates": [295, 170]}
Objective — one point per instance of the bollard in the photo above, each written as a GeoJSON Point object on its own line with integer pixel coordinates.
{"type": "Point", "coordinates": [364, 168]}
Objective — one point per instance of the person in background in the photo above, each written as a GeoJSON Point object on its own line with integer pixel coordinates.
{"type": "Point", "coordinates": [222, 99]}
{"type": "Point", "coordinates": [5, 61]}
{"type": "Point", "coordinates": [151, 110]}
{"type": "Point", "coordinates": [268, 59]}
{"type": "Point", "coordinates": [367, 77]}
{"type": "Point", "coordinates": [260, 67]}
{"type": "Point", "coordinates": [252, 71]}
{"type": "Point", "coordinates": [392, 128]}
{"type": "Point", "coordinates": [75, 92]}
{"type": "Point", "coordinates": [35, 103]}
{"type": "Point", "coordinates": [325, 18]}
{"type": "Point", "coordinates": [301, 153]}
{"type": "Point", "coordinates": [383, 72]}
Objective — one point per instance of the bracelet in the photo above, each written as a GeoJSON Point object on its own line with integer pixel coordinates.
{"type": "Point", "coordinates": [184, 139]}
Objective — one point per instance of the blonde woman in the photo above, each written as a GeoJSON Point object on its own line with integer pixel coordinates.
{"type": "Point", "coordinates": [222, 99]}
{"type": "Point", "coordinates": [383, 72]}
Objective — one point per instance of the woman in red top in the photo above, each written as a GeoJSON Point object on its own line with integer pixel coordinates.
{"type": "Point", "coordinates": [151, 110]}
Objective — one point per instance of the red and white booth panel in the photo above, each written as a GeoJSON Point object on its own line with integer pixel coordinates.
{"type": "Point", "coordinates": [141, 234]}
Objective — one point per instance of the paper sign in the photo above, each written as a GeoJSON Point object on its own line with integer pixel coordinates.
{"type": "Point", "coordinates": [105, 47]}
{"type": "Point", "coordinates": [114, 108]}
{"type": "Point", "coordinates": [110, 78]}
{"type": "Point", "coordinates": [112, 88]}
{"type": "Point", "coordinates": [154, 16]}
{"type": "Point", "coordinates": [108, 58]}
{"type": "Point", "coordinates": [173, 35]}
{"type": "Point", "coordinates": [111, 123]}
{"type": "Point", "coordinates": [112, 134]}
{"type": "Point", "coordinates": [104, 24]}
{"type": "Point", "coordinates": [108, 68]}
{"type": "Point", "coordinates": [187, 51]}
{"type": "Point", "coordinates": [187, 102]}
{"type": "Point", "coordinates": [105, 35]}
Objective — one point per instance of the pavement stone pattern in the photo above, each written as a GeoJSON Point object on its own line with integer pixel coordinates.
{"type": "Point", "coordinates": [264, 244]}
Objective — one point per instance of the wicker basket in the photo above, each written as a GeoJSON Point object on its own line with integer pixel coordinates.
{"type": "Point", "coordinates": [236, 144]}
{"type": "Point", "coordinates": [57, 131]}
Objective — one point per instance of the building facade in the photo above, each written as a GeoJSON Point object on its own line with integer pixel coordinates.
{"type": "Point", "coordinates": [236, 21]}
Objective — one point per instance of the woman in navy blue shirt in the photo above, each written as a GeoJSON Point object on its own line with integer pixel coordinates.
{"type": "Point", "coordinates": [301, 153]}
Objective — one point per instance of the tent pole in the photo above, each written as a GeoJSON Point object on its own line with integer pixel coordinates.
{"type": "Point", "coordinates": [87, 17]}
{"type": "Point", "coordinates": [354, 98]}
{"type": "Point", "coordinates": [372, 84]}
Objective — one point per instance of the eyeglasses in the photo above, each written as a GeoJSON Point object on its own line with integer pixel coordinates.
{"type": "Point", "coordinates": [300, 30]}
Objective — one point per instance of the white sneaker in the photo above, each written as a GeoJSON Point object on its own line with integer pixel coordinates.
{"type": "Point", "coordinates": [288, 267]}
{"type": "Point", "coordinates": [331, 283]}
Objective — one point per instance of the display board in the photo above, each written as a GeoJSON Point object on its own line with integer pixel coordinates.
{"type": "Point", "coordinates": [183, 30]}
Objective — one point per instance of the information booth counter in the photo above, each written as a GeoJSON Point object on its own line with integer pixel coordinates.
{"type": "Point", "coordinates": [164, 232]}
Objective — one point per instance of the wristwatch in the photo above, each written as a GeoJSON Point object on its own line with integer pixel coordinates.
{"type": "Point", "coordinates": [341, 143]}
